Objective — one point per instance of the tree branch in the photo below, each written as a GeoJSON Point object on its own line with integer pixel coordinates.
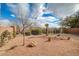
{"type": "Point", "coordinates": [25, 27]}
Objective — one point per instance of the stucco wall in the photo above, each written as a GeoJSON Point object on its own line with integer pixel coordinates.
{"type": "Point", "coordinates": [73, 30]}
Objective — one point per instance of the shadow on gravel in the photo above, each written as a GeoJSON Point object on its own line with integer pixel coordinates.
{"type": "Point", "coordinates": [11, 48]}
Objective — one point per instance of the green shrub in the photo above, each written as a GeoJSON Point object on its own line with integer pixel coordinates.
{"type": "Point", "coordinates": [27, 33]}
{"type": "Point", "coordinates": [4, 37]}
{"type": "Point", "coordinates": [14, 34]}
{"type": "Point", "coordinates": [43, 31]}
{"type": "Point", "coordinates": [49, 31]}
{"type": "Point", "coordinates": [55, 30]}
{"type": "Point", "coordinates": [65, 30]}
{"type": "Point", "coordinates": [17, 29]}
{"type": "Point", "coordinates": [36, 31]}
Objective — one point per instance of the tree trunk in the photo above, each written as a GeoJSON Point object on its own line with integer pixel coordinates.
{"type": "Point", "coordinates": [23, 39]}
{"type": "Point", "coordinates": [23, 36]}
{"type": "Point", "coordinates": [46, 31]}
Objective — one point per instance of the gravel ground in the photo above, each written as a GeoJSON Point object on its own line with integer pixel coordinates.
{"type": "Point", "coordinates": [55, 47]}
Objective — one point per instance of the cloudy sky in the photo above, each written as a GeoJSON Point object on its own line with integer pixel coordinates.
{"type": "Point", "coordinates": [40, 12]}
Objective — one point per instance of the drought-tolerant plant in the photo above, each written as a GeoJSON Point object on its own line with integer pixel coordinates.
{"type": "Point", "coordinates": [36, 31]}
{"type": "Point", "coordinates": [43, 31]}
{"type": "Point", "coordinates": [70, 21]}
{"type": "Point", "coordinates": [27, 33]}
{"type": "Point", "coordinates": [56, 30]}
{"type": "Point", "coordinates": [17, 29]}
{"type": "Point", "coordinates": [49, 39]}
{"type": "Point", "coordinates": [22, 15]}
{"type": "Point", "coordinates": [4, 37]}
{"type": "Point", "coordinates": [50, 31]}
{"type": "Point", "coordinates": [14, 34]}
{"type": "Point", "coordinates": [46, 25]}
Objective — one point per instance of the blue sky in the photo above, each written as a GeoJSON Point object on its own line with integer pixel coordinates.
{"type": "Point", "coordinates": [43, 12]}
{"type": "Point", "coordinates": [5, 12]}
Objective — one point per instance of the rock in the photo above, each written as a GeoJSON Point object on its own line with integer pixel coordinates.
{"type": "Point", "coordinates": [68, 38]}
{"type": "Point", "coordinates": [61, 39]}
{"type": "Point", "coordinates": [58, 35]}
{"type": "Point", "coordinates": [49, 39]}
{"type": "Point", "coordinates": [32, 44]}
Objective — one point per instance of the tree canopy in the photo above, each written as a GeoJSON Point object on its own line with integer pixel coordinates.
{"type": "Point", "coordinates": [71, 21]}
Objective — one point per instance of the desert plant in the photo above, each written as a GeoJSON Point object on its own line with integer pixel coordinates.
{"type": "Point", "coordinates": [43, 31]}
{"type": "Point", "coordinates": [71, 22]}
{"type": "Point", "coordinates": [14, 34]}
{"type": "Point", "coordinates": [36, 31]}
{"type": "Point", "coordinates": [27, 33]}
{"type": "Point", "coordinates": [46, 25]}
{"type": "Point", "coordinates": [14, 31]}
{"type": "Point", "coordinates": [4, 37]}
{"type": "Point", "coordinates": [49, 31]}
{"type": "Point", "coordinates": [22, 15]}
{"type": "Point", "coordinates": [49, 39]}
{"type": "Point", "coordinates": [56, 30]}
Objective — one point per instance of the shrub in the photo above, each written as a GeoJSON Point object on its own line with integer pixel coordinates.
{"type": "Point", "coordinates": [43, 31]}
{"type": "Point", "coordinates": [49, 39]}
{"type": "Point", "coordinates": [49, 31]}
{"type": "Point", "coordinates": [4, 37]}
{"type": "Point", "coordinates": [14, 31]}
{"type": "Point", "coordinates": [65, 30]}
{"type": "Point", "coordinates": [36, 31]}
{"type": "Point", "coordinates": [55, 30]}
{"type": "Point", "coordinates": [17, 29]}
{"type": "Point", "coordinates": [27, 33]}
{"type": "Point", "coordinates": [14, 34]}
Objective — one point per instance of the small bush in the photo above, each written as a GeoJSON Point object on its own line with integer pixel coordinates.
{"type": "Point", "coordinates": [44, 31]}
{"type": "Point", "coordinates": [56, 30]}
{"type": "Point", "coordinates": [27, 33]}
{"type": "Point", "coordinates": [49, 31]}
{"type": "Point", "coordinates": [65, 30]}
{"type": "Point", "coordinates": [4, 37]}
{"type": "Point", "coordinates": [17, 30]}
{"type": "Point", "coordinates": [36, 31]}
{"type": "Point", "coordinates": [14, 34]}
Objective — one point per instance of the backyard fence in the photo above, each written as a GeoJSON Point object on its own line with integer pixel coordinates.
{"type": "Point", "coordinates": [72, 30]}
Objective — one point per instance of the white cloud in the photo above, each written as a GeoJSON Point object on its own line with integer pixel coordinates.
{"type": "Point", "coordinates": [5, 22]}
{"type": "Point", "coordinates": [13, 15]}
{"type": "Point", "coordinates": [76, 7]}
{"type": "Point", "coordinates": [50, 20]}
{"type": "Point", "coordinates": [12, 8]}
{"type": "Point", "coordinates": [63, 9]}
{"type": "Point", "coordinates": [38, 12]}
{"type": "Point", "coordinates": [19, 8]}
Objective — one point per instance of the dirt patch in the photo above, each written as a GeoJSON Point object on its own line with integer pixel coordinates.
{"type": "Point", "coordinates": [52, 48]}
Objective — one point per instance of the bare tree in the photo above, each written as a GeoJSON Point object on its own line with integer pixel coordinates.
{"type": "Point", "coordinates": [23, 17]}
{"type": "Point", "coordinates": [22, 12]}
